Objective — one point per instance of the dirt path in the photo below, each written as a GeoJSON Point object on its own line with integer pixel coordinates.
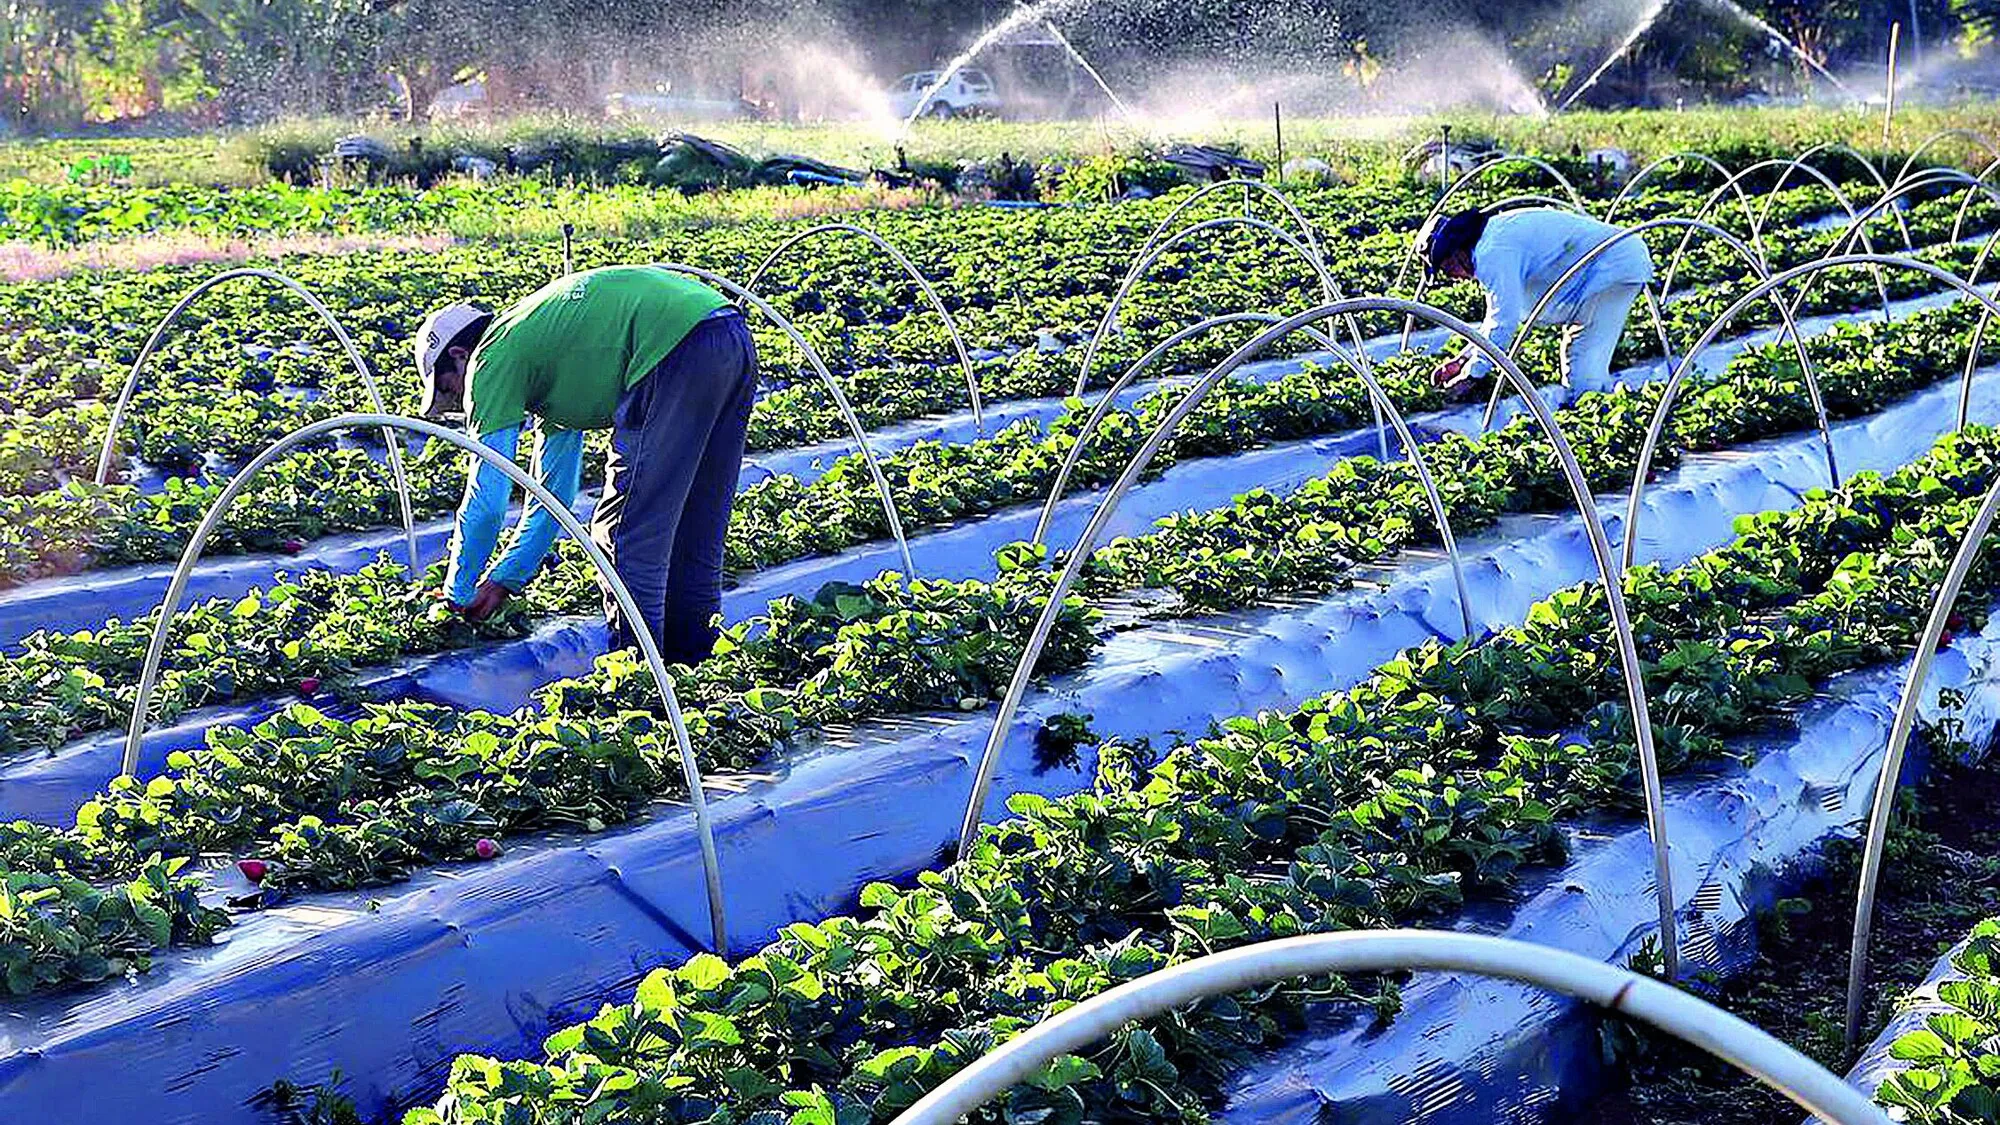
{"type": "Point", "coordinates": [1942, 875]}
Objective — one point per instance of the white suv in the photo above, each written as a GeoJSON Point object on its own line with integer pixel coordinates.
{"type": "Point", "coordinates": [968, 92]}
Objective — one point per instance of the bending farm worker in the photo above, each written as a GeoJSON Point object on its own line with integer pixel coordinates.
{"type": "Point", "coordinates": [1516, 256]}
{"type": "Point", "coordinates": [663, 362]}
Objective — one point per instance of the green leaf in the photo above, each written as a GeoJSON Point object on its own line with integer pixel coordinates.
{"type": "Point", "coordinates": [1064, 1070]}
{"type": "Point", "coordinates": [704, 971]}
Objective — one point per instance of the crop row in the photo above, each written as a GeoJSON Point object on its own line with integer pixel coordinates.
{"type": "Point", "coordinates": [324, 626]}
{"type": "Point", "coordinates": [1436, 781]}
{"type": "Point", "coordinates": [329, 803]}
{"type": "Point", "coordinates": [223, 389]}
{"type": "Point", "coordinates": [317, 492]}
{"type": "Point", "coordinates": [1950, 1066]}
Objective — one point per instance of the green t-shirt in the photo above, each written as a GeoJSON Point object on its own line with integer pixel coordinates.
{"type": "Point", "coordinates": [567, 351]}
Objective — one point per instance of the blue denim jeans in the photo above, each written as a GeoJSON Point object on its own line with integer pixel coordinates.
{"type": "Point", "coordinates": [676, 446]}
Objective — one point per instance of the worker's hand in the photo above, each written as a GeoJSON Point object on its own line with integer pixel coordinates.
{"type": "Point", "coordinates": [1447, 373]}
{"type": "Point", "coordinates": [488, 600]}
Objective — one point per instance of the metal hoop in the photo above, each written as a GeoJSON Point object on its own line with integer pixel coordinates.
{"type": "Point", "coordinates": [1669, 1009]}
{"type": "Point", "coordinates": [833, 387]}
{"type": "Point", "coordinates": [909, 268]}
{"type": "Point", "coordinates": [1646, 173]}
{"type": "Point", "coordinates": [1923, 146]}
{"type": "Point", "coordinates": [1877, 837]}
{"type": "Point", "coordinates": [1383, 404]}
{"type": "Point", "coordinates": [1838, 148]}
{"type": "Point", "coordinates": [125, 393]}
{"type": "Point", "coordinates": [1283, 199]}
{"type": "Point", "coordinates": [1580, 493]}
{"type": "Point", "coordinates": [1965, 204]}
{"type": "Point", "coordinates": [1152, 254]}
{"type": "Point", "coordinates": [1715, 328]}
{"type": "Point", "coordinates": [1756, 229]}
{"type": "Point", "coordinates": [1931, 177]}
{"type": "Point", "coordinates": [648, 648]}
{"type": "Point", "coordinates": [1785, 313]}
{"type": "Point", "coordinates": [1978, 332]}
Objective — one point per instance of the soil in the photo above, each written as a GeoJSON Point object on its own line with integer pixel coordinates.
{"type": "Point", "coordinates": [1941, 877]}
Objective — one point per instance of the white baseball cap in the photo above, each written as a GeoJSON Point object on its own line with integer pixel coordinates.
{"type": "Point", "coordinates": [440, 328]}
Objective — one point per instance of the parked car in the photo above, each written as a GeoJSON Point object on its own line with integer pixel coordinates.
{"type": "Point", "coordinates": [969, 91]}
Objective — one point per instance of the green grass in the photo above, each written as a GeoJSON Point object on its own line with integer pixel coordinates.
{"type": "Point", "coordinates": [1352, 145]}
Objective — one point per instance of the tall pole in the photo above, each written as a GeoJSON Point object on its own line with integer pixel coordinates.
{"type": "Point", "coordinates": [1889, 99]}
{"type": "Point", "coordinates": [1278, 126]}
{"type": "Point", "coordinates": [1444, 158]}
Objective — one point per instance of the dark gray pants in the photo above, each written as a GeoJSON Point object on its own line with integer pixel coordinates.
{"type": "Point", "coordinates": [676, 446]}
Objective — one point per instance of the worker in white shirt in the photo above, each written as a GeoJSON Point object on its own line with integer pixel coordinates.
{"type": "Point", "coordinates": [1517, 256]}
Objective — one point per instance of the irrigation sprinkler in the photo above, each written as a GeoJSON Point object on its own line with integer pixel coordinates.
{"type": "Point", "coordinates": [125, 393]}
{"type": "Point", "coordinates": [1378, 397]}
{"type": "Point", "coordinates": [1786, 315]}
{"type": "Point", "coordinates": [1580, 495]}
{"type": "Point", "coordinates": [854, 427]}
{"type": "Point", "coordinates": [1609, 987]}
{"type": "Point", "coordinates": [1715, 328]}
{"type": "Point", "coordinates": [648, 648]}
{"type": "Point", "coordinates": [909, 268]}
{"type": "Point", "coordinates": [1877, 836]}
{"type": "Point", "coordinates": [1154, 252]}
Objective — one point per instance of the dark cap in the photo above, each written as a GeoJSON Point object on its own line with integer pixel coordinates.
{"type": "Point", "coordinates": [1446, 236]}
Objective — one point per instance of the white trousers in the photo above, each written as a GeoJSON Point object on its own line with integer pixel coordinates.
{"type": "Point", "coordinates": [1593, 338]}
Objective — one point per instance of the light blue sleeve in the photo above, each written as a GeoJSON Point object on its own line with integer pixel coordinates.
{"type": "Point", "coordinates": [1500, 274]}
{"type": "Point", "coordinates": [480, 514]}
{"type": "Point", "coordinates": [559, 463]}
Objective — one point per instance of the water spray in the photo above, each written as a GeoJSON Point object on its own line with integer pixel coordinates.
{"type": "Point", "coordinates": [1745, 16]}
{"type": "Point", "coordinates": [1646, 21]}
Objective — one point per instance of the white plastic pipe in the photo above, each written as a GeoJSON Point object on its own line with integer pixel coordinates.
{"type": "Point", "coordinates": [648, 648]}
{"type": "Point", "coordinates": [1617, 990]}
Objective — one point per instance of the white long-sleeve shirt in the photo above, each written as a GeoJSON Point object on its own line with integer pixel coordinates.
{"type": "Point", "coordinates": [1523, 253]}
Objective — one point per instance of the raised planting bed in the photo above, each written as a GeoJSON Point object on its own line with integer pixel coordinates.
{"type": "Point", "coordinates": [506, 675]}
{"type": "Point", "coordinates": [1935, 1063]}
{"type": "Point", "coordinates": [1456, 774]}
{"type": "Point", "coordinates": [1469, 1048]}
{"type": "Point", "coordinates": [596, 910]}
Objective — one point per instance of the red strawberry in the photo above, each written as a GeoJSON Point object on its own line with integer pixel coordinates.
{"type": "Point", "coordinates": [292, 546]}
{"type": "Point", "coordinates": [309, 686]}
{"type": "Point", "coordinates": [486, 848]}
{"type": "Point", "coordinates": [253, 869]}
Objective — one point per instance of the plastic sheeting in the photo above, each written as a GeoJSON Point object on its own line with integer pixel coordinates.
{"type": "Point", "coordinates": [505, 676]}
{"type": "Point", "coordinates": [387, 987]}
{"type": "Point", "coordinates": [87, 600]}
{"type": "Point", "coordinates": [1876, 1065]}
{"type": "Point", "coordinates": [1467, 1048]}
